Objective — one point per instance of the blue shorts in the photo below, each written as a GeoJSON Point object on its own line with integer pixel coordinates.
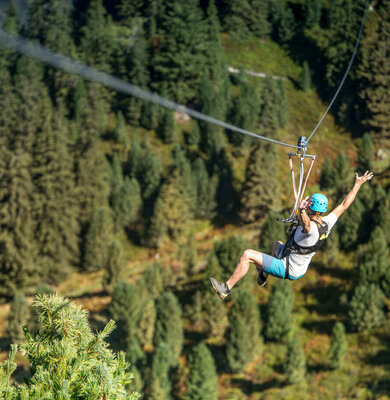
{"type": "Point", "coordinates": [275, 266]}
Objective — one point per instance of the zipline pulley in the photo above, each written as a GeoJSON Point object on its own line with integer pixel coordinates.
{"type": "Point", "coordinates": [301, 154]}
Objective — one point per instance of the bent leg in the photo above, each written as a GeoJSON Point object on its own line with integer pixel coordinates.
{"type": "Point", "coordinates": [276, 248]}
{"type": "Point", "coordinates": [247, 257]}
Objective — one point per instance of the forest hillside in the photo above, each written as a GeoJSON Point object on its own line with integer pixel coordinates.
{"type": "Point", "coordinates": [127, 208]}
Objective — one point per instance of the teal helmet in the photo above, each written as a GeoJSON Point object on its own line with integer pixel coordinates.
{"type": "Point", "coordinates": [318, 202]}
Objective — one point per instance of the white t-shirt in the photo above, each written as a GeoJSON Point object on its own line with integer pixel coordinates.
{"type": "Point", "coordinates": [300, 262]}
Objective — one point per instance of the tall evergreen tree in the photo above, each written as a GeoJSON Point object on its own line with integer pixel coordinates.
{"type": "Point", "coordinates": [125, 308]}
{"type": "Point", "coordinates": [18, 257]}
{"type": "Point", "coordinates": [178, 59]}
{"type": "Point", "coordinates": [169, 326]}
{"type": "Point", "coordinates": [55, 208]}
{"type": "Point", "coordinates": [312, 11]}
{"type": "Point", "coordinates": [202, 382]}
{"type": "Point", "coordinates": [160, 385]}
{"type": "Point", "coordinates": [11, 25]}
{"type": "Point", "coordinates": [244, 332]}
{"type": "Point", "coordinates": [19, 315]}
{"type": "Point", "coordinates": [327, 174]}
{"type": "Point", "coordinates": [343, 176]}
{"type": "Point", "coordinates": [260, 193]}
{"type": "Point", "coordinates": [114, 268]}
{"type": "Point", "coordinates": [279, 321]}
{"type": "Point", "coordinates": [365, 154]}
{"type": "Point", "coordinates": [98, 236]}
{"type": "Point", "coordinates": [205, 190]}
{"type": "Point", "coordinates": [226, 195]}
{"type": "Point", "coordinates": [374, 74]}
{"type": "Point", "coordinates": [366, 308]}
{"type": "Point", "coordinates": [295, 364]}
{"type": "Point", "coordinates": [373, 258]}
{"type": "Point", "coordinates": [350, 226]}
{"type": "Point", "coordinates": [338, 346]}
{"type": "Point", "coordinates": [305, 80]}
{"type": "Point", "coordinates": [287, 28]}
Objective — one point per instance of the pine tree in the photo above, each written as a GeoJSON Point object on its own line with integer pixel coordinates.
{"type": "Point", "coordinates": [287, 27]}
{"type": "Point", "coordinates": [54, 205]}
{"type": "Point", "coordinates": [226, 195]}
{"type": "Point", "coordinates": [271, 232]}
{"type": "Point", "coordinates": [156, 228]}
{"type": "Point", "coordinates": [343, 176]}
{"type": "Point", "coordinates": [160, 386]}
{"type": "Point", "coordinates": [366, 308]}
{"type": "Point", "coordinates": [202, 382]}
{"type": "Point", "coordinates": [279, 321]}
{"type": "Point", "coordinates": [228, 252]}
{"type": "Point", "coordinates": [19, 315]}
{"type": "Point", "coordinates": [205, 190]}
{"type": "Point", "coordinates": [97, 37]}
{"type": "Point", "coordinates": [178, 60]}
{"type": "Point", "coordinates": [150, 172]}
{"type": "Point", "coordinates": [150, 116]}
{"type": "Point", "coordinates": [18, 268]}
{"type": "Point", "coordinates": [120, 134]}
{"type": "Point", "coordinates": [211, 306]}
{"type": "Point", "coordinates": [349, 227]}
{"type": "Point", "coordinates": [327, 174]}
{"type": "Point", "coordinates": [339, 346]}
{"type": "Point", "coordinates": [67, 364]}
{"type": "Point", "coordinates": [365, 154]}
{"type": "Point", "coordinates": [260, 193]}
{"type": "Point", "coordinates": [125, 308]}
{"type": "Point", "coordinates": [151, 283]}
{"type": "Point", "coordinates": [295, 364]}
{"type": "Point", "coordinates": [312, 11]}
{"type": "Point", "coordinates": [373, 258]}
{"type": "Point", "coordinates": [305, 81]}
{"type": "Point", "coordinates": [11, 25]}
{"type": "Point", "coordinates": [167, 129]}
{"type": "Point", "coordinates": [146, 324]}
{"type": "Point", "coordinates": [114, 268]}
{"type": "Point", "coordinates": [374, 74]}
{"type": "Point", "coordinates": [169, 326]}
{"type": "Point", "coordinates": [193, 138]}
{"type": "Point", "coordinates": [98, 235]}
{"type": "Point", "coordinates": [244, 332]}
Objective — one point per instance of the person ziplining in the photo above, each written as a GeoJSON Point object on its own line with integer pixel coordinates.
{"type": "Point", "coordinates": [291, 260]}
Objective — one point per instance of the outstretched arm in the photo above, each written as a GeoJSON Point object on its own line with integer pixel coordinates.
{"type": "Point", "coordinates": [350, 197]}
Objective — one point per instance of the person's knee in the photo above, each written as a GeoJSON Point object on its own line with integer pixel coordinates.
{"type": "Point", "coordinates": [246, 255]}
{"type": "Point", "coordinates": [275, 247]}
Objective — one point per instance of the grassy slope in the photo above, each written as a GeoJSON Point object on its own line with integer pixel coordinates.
{"type": "Point", "coordinates": [317, 295]}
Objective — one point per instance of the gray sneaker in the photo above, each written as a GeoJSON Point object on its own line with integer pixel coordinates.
{"type": "Point", "coordinates": [262, 278]}
{"type": "Point", "coordinates": [221, 288]}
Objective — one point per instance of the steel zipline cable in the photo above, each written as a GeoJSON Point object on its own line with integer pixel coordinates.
{"type": "Point", "coordinates": [347, 70]}
{"type": "Point", "coordinates": [75, 67]}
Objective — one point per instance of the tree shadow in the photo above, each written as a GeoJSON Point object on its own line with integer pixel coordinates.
{"type": "Point", "coordinates": [322, 326]}
{"type": "Point", "coordinates": [219, 355]}
{"type": "Point", "coordinates": [248, 387]}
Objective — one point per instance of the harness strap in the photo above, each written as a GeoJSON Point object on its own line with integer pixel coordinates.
{"type": "Point", "coordinates": [287, 273]}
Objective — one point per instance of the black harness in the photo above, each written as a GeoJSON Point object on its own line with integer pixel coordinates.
{"type": "Point", "coordinates": [292, 247]}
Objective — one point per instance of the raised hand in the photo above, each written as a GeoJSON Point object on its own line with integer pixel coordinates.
{"type": "Point", "coordinates": [361, 179]}
{"type": "Point", "coordinates": [304, 203]}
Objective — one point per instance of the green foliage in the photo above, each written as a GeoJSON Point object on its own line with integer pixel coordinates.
{"type": "Point", "coordinates": [349, 225]}
{"type": "Point", "coordinates": [305, 80]}
{"type": "Point", "coordinates": [113, 270]}
{"type": "Point", "coordinates": [280, 305]}
{"type": "Point", "coordinates": [228, 252]}
{"type": "Point", "coordinates": [98, 235]}
{"type": "Point", "coordinates": [365, 154]}
{"type": "Point", "coordinates": [125, 308]}
{"type": "Point", "coordinates": [261, 191]}
{"type": "Point", "coordinates": [19, 315]}
{"type": "Point", "coordinates": [169, 326]}
{"type": "Point", "coordinates": [202, 383]}
{"type": "Point", "coordinates": [312, 11]}
{"type": "Point", "coordinates": [151, 283]}
{"type": "Point", "coordinates": [205, 190]}
{"type": "Point", "coordinates": [374, 74]}
{"type": "Point", "coordinates": [243, 335]}
{"type": "Point", "coordinates": [338, 347]}
{"type": "Point", "coordinates": [271, 232]}
{"type": "Point", "coordinates": [294, 366]}
{"type": "Point", "coordinates": [160, 384]}
{"type": "Point", "coordinates": [79, 364]}
{"type": "Point", "coordinates": [327, 174]}
{"type": "Point", "coordinates": [366, 308]}
{"type": "Point", "coordinates": [373, 259]}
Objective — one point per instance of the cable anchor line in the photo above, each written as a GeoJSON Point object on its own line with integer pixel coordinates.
{"type": "Point", "coordinates": [71, 66]}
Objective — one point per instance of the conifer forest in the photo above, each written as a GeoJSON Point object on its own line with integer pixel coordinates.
{"type": "Point", "coordinates": [116, 211]}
